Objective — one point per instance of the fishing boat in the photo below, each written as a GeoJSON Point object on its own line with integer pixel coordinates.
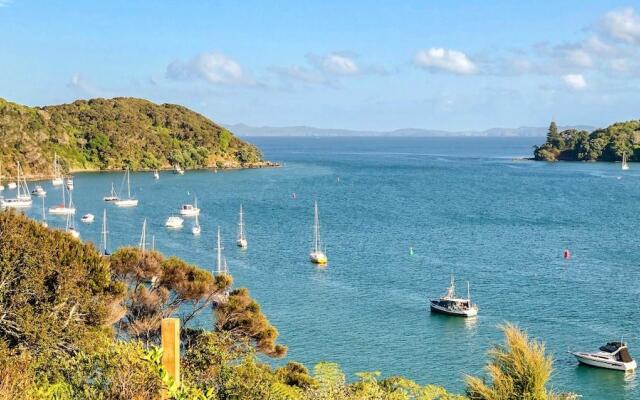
{"type": "Point", "coordinates": [242, 239]}
{"type": "Point", "coordinates": [38, 191]}
{"type": "Point", "coordinates": [63, 209]}
{"type": "Point", "coordinates": [104, 234]}
{"type": "Point", "coordinates": [451, 305]}
{"type": "Point", "coordinates": [317, 256]}
{"type": "Point", "coordinates": [142, 245]}
{"type": "Point", "coordinates": [190, 210]}
{"type": "Point", "coordinates": [174, 222]}
{"type": "Point", "coordinates": [57, 174]}
{"type": "Point", "coordinates": [613, 355]}
{"type": "Point", "coordinates": [44, 215]}
{"type": "Point", "coordinates": [129, 201]}
{"type": "Point", "coordinates": [178, 170]}
{"type": "Point", "coordinates": [69, 183]}
{"type": "Point", "coordinates": [196, 229]}
{"type": "Point", "coordinates": [625, 163]}
{"type": "Point", "coordinates": [88, 218]}
{"type": "Point", "coordinates": [156, 175]}
{"type": "Point", "coordinates": [71, 223]}
{"type": "Point", "coordinates": [113, 196]}
{"type": "Point", "coordinates": [23, 198]}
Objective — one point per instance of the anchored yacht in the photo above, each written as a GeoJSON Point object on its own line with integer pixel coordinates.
{"type": "Point", "coordinates": [613, 355]}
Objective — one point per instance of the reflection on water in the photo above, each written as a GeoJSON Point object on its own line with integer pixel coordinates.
{"type": "Point", "coordinates": [609, 380]}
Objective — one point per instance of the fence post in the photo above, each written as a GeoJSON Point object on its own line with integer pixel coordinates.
{"type": "Point", "coordinates": [170, 330]}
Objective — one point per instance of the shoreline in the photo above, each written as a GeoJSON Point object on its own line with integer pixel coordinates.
{"type": "Point", "coordinates": [43, 177]}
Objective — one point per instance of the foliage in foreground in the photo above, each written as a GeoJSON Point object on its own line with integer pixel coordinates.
{"type": "Point", "coordinates": [608, 144]}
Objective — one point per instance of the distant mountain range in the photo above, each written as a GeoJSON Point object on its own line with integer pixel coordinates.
{"type": "Point", "coordinates": [525, 131]}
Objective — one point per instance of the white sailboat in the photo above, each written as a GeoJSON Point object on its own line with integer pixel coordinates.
{"type": "Point", "coordinates": [196, 229]}
{"type": "Point", "coordinates": [142, 245]}
{"type": "Point", "coordinates": [113, 196]}
{"type": "Point", "coordinates": [71, 223]}
{"type": "Point", "coordinates": [190, 210]}
{"type": "Point", "coordinates": [44, 215]}
{"type": "Point", "coordinates": [242, 239]}
{"type": "Point", "coordinates": [23, 198]}
{"type": "Point", "coordinates": [317, 256]}
{"type": "Point", "coordinates": [129, 201]}
{"type": "Point", "coordinates": [63, 209]}
{"type": "Point", "coordinates": [57, 174]}
{"type": "Point", "coordinates": [625, 163]}
{"type": "Point", "coordinates": [156, 175]}
{"type": "Point", "coordinates": [104, 234]}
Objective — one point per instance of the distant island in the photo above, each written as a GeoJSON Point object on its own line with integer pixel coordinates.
{"type": "Point", "coordinates": [607, 144]}
{"type": "Point", "coordinates": [111, 134]}
{"type": "Point", "coordinates": [302, 131]}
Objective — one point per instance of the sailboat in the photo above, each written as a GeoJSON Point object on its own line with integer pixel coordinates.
{"type": "Point", "coordinates": [71, 223]}
{"type": "Point", "coordinates": [23, 198]}
{"type": "Point", "coordinates": [129, 201]}
{"type": "Point", "coordinates": [196, 229]}
{"type": "Point", "coordinates": [625, 164]}
{"type": "Point", "coordinates": [104, 233]}
{"type": "Point", "coordinates": [156, 175]}
{"type": "Point", "coordinates": [57, 175]}
{"type": "Point", "coordinates": [63, 209]}
{"type": "Point", "coordinates": [44, 215]}
{"type": "Point", "coordinates": [242, 240]}
{"type": "Point", "coordinates": [143, 237]}
{"type": "Point", "coordinates": [113, 196]}
{"type": "Point", "coordinates": [317, 256]}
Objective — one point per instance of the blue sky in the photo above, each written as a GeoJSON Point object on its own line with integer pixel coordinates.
{"type": "Point", "coordinates": [382, 65]}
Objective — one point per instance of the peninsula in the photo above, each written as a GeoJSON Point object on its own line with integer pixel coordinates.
{"type": "Point", "coordinates": [111, 134]}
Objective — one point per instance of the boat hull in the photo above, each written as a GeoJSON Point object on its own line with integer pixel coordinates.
{"type": "Point", "coordinates": [15, 203]}
{"type": "Point", "coordinates": [472, 312]}
{"type": "Point", "coordinates": [62, 211]}
{"type": "Point", "coordinates": [126, 203]}
{"type": "Point", "coordinates": [318, 258]}
{"type": "Point", "coordinates": [606, 364]}
{"type": "Point", "coordinates": [242, 243]}
{"type": "Point", "coordinates": [190, 213]}
{"type": "Point", "coordinates": [57, 182]}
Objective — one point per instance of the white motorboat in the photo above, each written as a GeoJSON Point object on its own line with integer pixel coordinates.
{"type": "Point", "coordinates": [88, 218]}
{"type": "Point", "coordinates": [63, 209]}
{"type": "Point", "coordinates": [39, 191]}
{"type": "Point", "coordinates": [190, 210]}
{"type": "Point", "coordinates": [23, 198]}
{"type": "Point", "coordinates": [451, 305]}
{"type": "Point", "coordinates": [69, 183]}
{"type": "Point", "coordinates": [625, 163]}
{"type": "Point", "coordinates": [12, 185]}
{"type": "Point", "coordinates": [317, 256]}
{"type": "Point", "coordinates": [613, 355]}
{"type": "Point", "coordinates": [57, 174]}
{"type": "Point", "coordinates": [174, 222]}
{"type": "Point", "coordinates": [113, 196]}
{"type": "Point", "coordinates": [156, 175]}
{"type": "Point", "coordinates": [242, 239]}
{"type": "Point", "coordinates": [129, 201]}
{"type": "Point", "coordinates": [196, 229]}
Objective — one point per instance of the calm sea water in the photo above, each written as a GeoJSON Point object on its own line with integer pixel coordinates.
{"type": "Point", "coordinates": [465, 205]}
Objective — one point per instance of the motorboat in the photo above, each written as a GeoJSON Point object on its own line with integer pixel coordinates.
{"type": "Point", "coordinates": [190, 210]}
{"type": "Point", "coordinates": [113, 196]}
{"type": "Point", "coordinates": [87, 218]}
{"type": "Point", "coordinates": [39, 191]}
{"type": "Point", "coordinates": [449, 304]}
{"type": "Point", "coordinates": [174, 222]}
{"type": "Point", "coordinates": [12, 185]}
{"type": "Point", "coordinates": [613, 355]}
{"type": "Point", "coordinates": [317, 256]}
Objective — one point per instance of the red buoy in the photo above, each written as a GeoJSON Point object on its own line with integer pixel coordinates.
{"type": "Point", "coordinates": [566, 254]}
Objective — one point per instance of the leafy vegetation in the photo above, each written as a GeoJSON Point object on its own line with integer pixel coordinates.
{"type": "Point", "coordinates": [76, 325]}
{"type": "Point", "coordinates": [113, 134]}
{"type": "Point", "coordinates": [608, 144]}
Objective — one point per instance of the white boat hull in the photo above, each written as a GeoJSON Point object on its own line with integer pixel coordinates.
{"type": "Point", "coordinates": [57, 182]}
{"type": "Point", "coordinates": [584, 358]}
{"type": "Point", "coordinates": [174, 223]}
{"type": "Point", "coordinates": [242, 243]}
{"type": "Point", "coordinates": [318, 257]}
{"type": "Point", "coordinates": [87, 219]}
{"type": "Point", "coordinates": [15, 203]}
{"type": "Point", "coordinates": [39, 193]}
{"type": "Point", "coordinates": [126, 203]}
{"type": "Point", "coordinates": [62, 211]}
{"type": "Point", "coordinates": [471, 312]}
{"type": "Point", "coordinates": [190, 213]}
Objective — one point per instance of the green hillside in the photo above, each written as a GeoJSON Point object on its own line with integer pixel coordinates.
{"type": "Point", "coordinates": [607, 144]}
{"type": "Point", "coordinates": [103, 134]}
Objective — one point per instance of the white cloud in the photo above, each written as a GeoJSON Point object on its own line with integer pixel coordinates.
{"type": "Point", "coordinates": [212, 67]}
{"type": "Point", "coordinates": [339, 64]}
{"type": "Point", "coordinates": [448, 60]}
{"type": "Point", "coordinates": [575, 81]}
{"type": "Point", "coordinates": [623, 25]}
{"type": "Point", "coordinates": [5, 3]}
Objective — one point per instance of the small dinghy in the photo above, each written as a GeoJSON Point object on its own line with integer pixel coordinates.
{"type": "Point", "coordinates": [613, 355]}
{"type": "Point", "coordinates": [87, 218]}
{"type": "Point", "coordinates": [449, 304]}
{"type": "Point", "coordinates": [39, 191]}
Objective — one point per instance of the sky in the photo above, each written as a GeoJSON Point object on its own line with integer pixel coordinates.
{"type": "Point", "coordinates": [368, 65]}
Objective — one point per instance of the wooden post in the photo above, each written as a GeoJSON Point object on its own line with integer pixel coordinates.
{"type": "Point", "coordinates": [170, 329]}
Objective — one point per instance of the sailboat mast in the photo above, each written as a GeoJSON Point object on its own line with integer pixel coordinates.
{"type": "Point", "coordinates": [104, 231]}
{"type": "Point", "coordinates": [468, 292]}
{"type": "Point", "coordinates": [143, 237]}
{"type": "Point", "coordinates": [219, 248]}
{"type": "Point", "coordinates": [241, 224]}
{"type": "Point", "coordinates": [316, 227]}
{"type": "Point", "coordinates": [44, 216]}
{"type": "Point", "coordinates": [128, 185]}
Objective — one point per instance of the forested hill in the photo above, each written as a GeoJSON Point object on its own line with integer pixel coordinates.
{"type": "Point", "coordinates": [607, 144]}
{"type": "Point", "coordinates": [114, 133]}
